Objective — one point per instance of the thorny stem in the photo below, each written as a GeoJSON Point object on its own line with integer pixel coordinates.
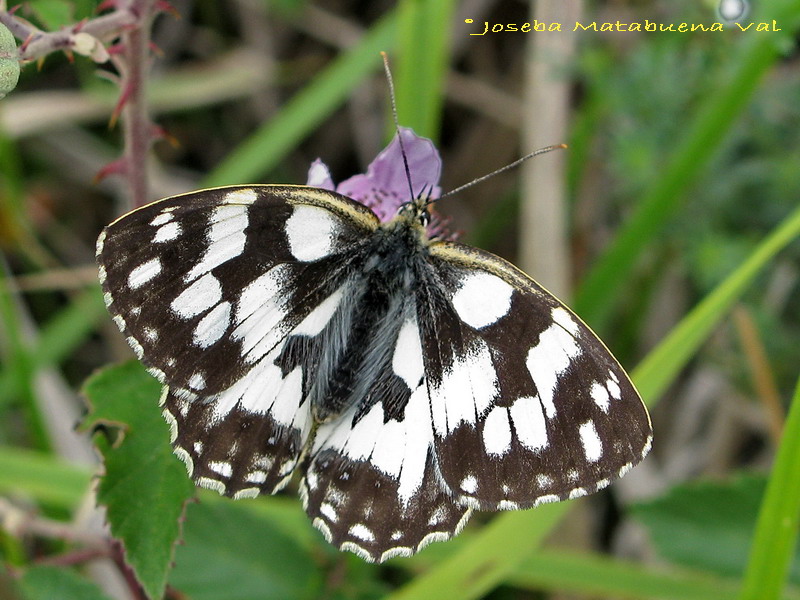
{"type": "Point", "coordinates": [131, 20]}
{"type": "Point", "coordinates": [38, 43]}
{"type": "Point", "coordinates": [137, 127]}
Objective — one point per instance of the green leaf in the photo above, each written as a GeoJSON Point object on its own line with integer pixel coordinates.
{"type": "Point", "coordinates": [145, 485]}
{"type": "Point", "coordinates": [707, 524]}
{"type": "Point", "coordinates": [231, 552]}
{"type": "Point", "coordinates": [53, 583]}
{"type": "Point", "coordinates": [267, 146]}
{"type": "Point", "coordinates": [775, 539]}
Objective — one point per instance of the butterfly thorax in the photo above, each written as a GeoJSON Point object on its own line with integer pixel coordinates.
{"type": "Point", "coordinates": [361, 337]}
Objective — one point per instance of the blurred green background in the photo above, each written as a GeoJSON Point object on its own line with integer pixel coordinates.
{"type": "Point", "coordinates": [669, 224]}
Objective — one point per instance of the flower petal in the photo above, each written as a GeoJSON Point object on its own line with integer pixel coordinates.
{"type": "Point", "coordinates": [385, 186]}
{"type": "Point", "coordinates": [320, 176]}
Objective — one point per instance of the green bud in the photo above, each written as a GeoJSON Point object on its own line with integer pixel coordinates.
{"type": "Point", "coordinates": [9, 65]}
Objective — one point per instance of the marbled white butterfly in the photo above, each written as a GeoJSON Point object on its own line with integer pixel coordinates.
{"type": "Point", "coordinates": [412, 379]}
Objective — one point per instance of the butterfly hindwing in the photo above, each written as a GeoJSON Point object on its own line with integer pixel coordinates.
{"type": "Point", "coordinates": [372, 485]}
{"type": "Point", "coordinates": [528, 405]}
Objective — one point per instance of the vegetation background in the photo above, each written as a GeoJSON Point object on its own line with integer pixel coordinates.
{"type": "Point", "coordinates": [670, 223]}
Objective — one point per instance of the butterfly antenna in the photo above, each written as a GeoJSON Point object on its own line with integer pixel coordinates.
{"type": "Point", "coordinates": [500, 170]}
{"type": "Point", "coordinates": [397, 122]}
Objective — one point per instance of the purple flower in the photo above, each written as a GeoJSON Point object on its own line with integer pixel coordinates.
{"type": "Point", "coordinates": [384, 187]}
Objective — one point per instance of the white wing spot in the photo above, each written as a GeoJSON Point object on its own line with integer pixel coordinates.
{"type": "Point", "coordinates": [120, 321]}
{"type": "Point", "coordinates": [546, 499]}
{"type": "Point", "coordinates": [144, 273]}
{"type": "Point", "coordinates": [212, 327]}
{"type": "Point", "coordinates": [407, 358]}
{"type": "Point", "coordinates": [438, 515]}
{"type": "Point", "coordinates": [599, 394]}
{"type": "Point", "coordinates": [562, 317]}
{"type": "Point", "coordinates": [467, 389]}
{"type": "Point", "coordinates": [247, 493]}
{"type": "Point", "coordinates": [613, 386]}
{"type": "Point", "coordinates": [577, 493]}
{"type": "Point", "coordinates": [260, 312]}
{"type": "Point", "coordinates": [198, 448]}
{"type": "Point", "coordinates": [362, 532]}
{"type": "Point", "coordinates": [318, 318]}
{"type": "Point", "coordinates": [226, 238]}
{"type": "Point", "coordinates": [150, 334]}
{"type": "Point", "coordinates": [198, 297]}
{"type": "Point", "coordinates": [211, 484]}
{"type": "Point", "coordinates": [497, 431]}
{"type": "Point", "coordinates": [101, 274]}
{"type": "Point", "coordinates": [137, 347]}
{"type": "Point", "coordinates": [101, 241]}
{"type": "Point", "coordinates": [223, 468]}
{"type": "Point", "coordinates": [246, 196]}
{"type": "Point", "coordinates": [197, 381]}
{"type": "Point", "coordinates": [327, 509]}
{"type": "Point", "coordinates": [162, 219]}
{"type": "Point", "coordinates": [310, 232]}
{"type": "Point", "coordinates": [167, 233]}
{"type": "Point", "coordinates": [544, 480]}
{"type": "Point", "coordinates": [482, 299]}
{"type": "Point", "coordinates": [592, 445]}
{"type": "Point", "coordinates": [469, 484]}
{"type": "Point", "coordinates": [530, 423]}
{"type": "Point", "coordinates": [548, 359]}
{"type": "Point", "coordinates": [256, 477]}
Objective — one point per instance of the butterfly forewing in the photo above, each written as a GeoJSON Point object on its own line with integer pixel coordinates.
{"type": "Point", "coordinates": [208, 287]}
{"type": "Point", "coordinates": [205, 284]}
{"type": "Point", "coordinates": [528, 405]}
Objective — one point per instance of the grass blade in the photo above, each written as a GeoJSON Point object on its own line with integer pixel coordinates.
{"type": "Point", "coordinates": [267, 146]}
{"type": "Point", "coordinates": [775, 537]}
{"type": "Point", "coordinates": [601, 576]}
{"type": "Point", "coordinates": [663, 363]}
{"type": "Point", "coordinates": [422, 67]}
{"type": "Point", "coordinates": [43, 477]}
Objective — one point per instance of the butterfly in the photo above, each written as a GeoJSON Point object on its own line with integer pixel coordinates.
{"type": "Point", "coordinates": [411, 379]}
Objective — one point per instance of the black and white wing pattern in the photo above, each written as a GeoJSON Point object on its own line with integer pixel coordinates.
{"type": "Point", "coordinates": [528, 405]}
{"type": "Point", "coordinates": [410, 380]}
{"type": "Point", "coordinates": [207, 287]}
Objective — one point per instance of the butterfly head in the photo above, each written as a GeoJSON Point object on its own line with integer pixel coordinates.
{"type": "Point", "coordinates": [415, 213]}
